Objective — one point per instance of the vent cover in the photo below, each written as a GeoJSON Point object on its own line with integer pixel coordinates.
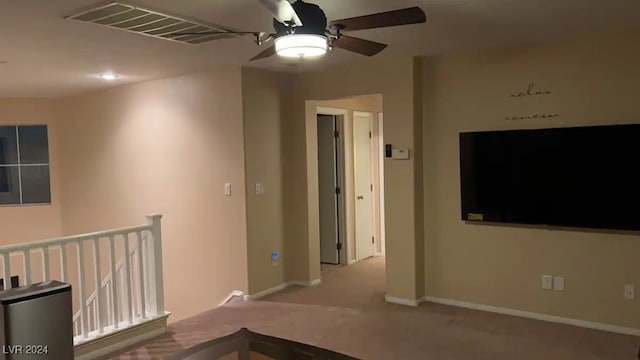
{"type": "Point", "coordinates": [119, 15]}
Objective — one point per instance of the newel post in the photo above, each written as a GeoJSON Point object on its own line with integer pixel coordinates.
{"type": "Point", "coordinates": [155, 259]}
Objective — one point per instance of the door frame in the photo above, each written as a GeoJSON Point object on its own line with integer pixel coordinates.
{"type": "Point", "coordinates": [341, 166]}
{"type": "Point", "coordinates": [371, 116]}
{"type": "Point", "coordinates": [382, 226]}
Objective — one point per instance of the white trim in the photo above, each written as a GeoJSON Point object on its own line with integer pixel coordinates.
{"type": "Point", "coordinates": [127, 341]}
{"type": "Point", "coordinates": [377, 254]}
{"type": "Point", "coordinates": [342, 201]}
{"type": "Point", "coordinates": [234, 294]}
{"type": "Point", "coordinates": [382, 226]}
{"type": "Point", "coordinates": [281, 287]}
{"type": "Point", "coordinates": [536, 316]}
{"type": "Point", "coordinates": [352, 261]}
{"type": "Point", "coordinates": [401, 301]}
{"type": "Point", "coordinates": [266, 292]}
{"type": "Point", "coordinates": [363, 114]}
{"type": "Point", "coordinates": [122, 344]}
{"type": "Point", "coordinates": [321, 110]}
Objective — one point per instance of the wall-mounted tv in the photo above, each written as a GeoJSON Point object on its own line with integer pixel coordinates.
{"type": "Point", "coordinates": [586, 177]}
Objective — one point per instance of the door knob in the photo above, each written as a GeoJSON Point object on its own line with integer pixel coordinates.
{"type": "Point", "coordinates": [360, 197]}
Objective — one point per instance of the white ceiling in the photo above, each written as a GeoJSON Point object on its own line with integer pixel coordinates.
{"type": "Point", "coordinates": [47, 55]}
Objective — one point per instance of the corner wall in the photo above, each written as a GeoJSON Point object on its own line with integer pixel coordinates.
{"type": "Point", "coordinates": [266, 101]}
{"type": "Point", "coordinates": [394, 79]}
{"type": "Point", "coordinates": [20, 224]}
{"type": "Point", "coordinates": [594, 81]}
{"type": "Point", "coordinates": [166, 146]}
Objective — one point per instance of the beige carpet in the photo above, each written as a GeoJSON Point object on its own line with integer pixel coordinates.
{"type": "Point", "coordinates": [347, 313]}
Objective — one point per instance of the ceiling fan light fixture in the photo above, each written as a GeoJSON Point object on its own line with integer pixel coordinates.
{"type": "Point", "coordinates": [301, 45]}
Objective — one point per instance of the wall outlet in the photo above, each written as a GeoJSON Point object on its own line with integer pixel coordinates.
{"type": "Point", "coordinates": [629, 292]}
{"type": "Point", "coordinates": [275, 256]}
{"type": "Point", "coordinates": [227, 189]}
{"type": "Point", "coordinates": [558, 283]}
{"type": "Point", "coordinates": [547, 282]}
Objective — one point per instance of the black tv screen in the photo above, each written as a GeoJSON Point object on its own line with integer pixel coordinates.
{"type": "Point", "coordinates": [586, 177]}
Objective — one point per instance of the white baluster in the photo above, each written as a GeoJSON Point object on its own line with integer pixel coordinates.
{"type": "Point", "coordinates": [155, 257]}
{"type": "Point", "coordinates": [27, 267]}
{"type": "Point", "coordinates": [127, 274]}
{"type": "Point", "coordinates": [114, 287]}
{"type": "Point", "coordinates": [82, 290]}
{"type": "Point", "coordinates": [6, 259]}
{"type": "Point", "coordinates": [63, 263]}
{"type": "Point", "coordinates": [143, 311]}
{"type": "Point", "coordinates": [45, 264]}
{"type": "Point", "coordinates": [98, 298]}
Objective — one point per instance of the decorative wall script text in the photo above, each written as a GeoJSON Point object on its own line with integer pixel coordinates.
{"type": "Point", "coordinates": [535, 116]}
{"type": "Point", "coordinates": [530, 92]}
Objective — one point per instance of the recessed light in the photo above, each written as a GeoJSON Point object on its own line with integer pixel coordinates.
{"type": "Point", "coordinates": [109, 76]}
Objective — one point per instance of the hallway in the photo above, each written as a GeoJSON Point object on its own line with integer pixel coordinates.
{"type": "Point", "coordinates": [347, 313]}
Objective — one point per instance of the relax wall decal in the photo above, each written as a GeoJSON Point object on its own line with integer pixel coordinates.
{"type": "Point", "coordinates": [531, 92]}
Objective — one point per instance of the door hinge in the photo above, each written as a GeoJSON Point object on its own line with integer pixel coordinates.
{"type": "Point", "coordinates": [373, 239]}
{"type": "Point", "coordinates": [336, 134]}
{"type": "Point", "coordinates": [337, 191]}
{"type": "Point", "coordinates": [369, 134]}
{"type": "Point", "coordinates": [372, 187]}
{"type": "Point", "coordinates": [339, 246]}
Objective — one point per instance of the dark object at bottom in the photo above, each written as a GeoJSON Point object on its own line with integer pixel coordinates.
{"type": "Point", "coordinates": [247, 345]}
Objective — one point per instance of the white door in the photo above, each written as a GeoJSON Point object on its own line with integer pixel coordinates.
{"type": "Point", "coordinates": [363, 185]}
{"type": "Point", "coordinates": [327, 181]}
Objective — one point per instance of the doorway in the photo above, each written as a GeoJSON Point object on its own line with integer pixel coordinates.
{"type": "Point", "coordinates": [329, 189]}
{"type": "Point", "coordinates": [350, 167]}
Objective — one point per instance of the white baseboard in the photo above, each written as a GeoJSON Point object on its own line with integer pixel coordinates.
{"type": "Point", "coordinates": [126, 337]}
{"type": "Point", "coordinates": [281, 287]}
{"type": "Point", "coordinates": [536, 316]}
{"type": "Point", "coordinates": [234, 293]}
{"type": "Point", "coordinates": [351, 262]}
{"type": "Point", "coordinates": [121, 345]}
{"type": "Point", "coordinates": [266, 292]}
{"type": "Point", "coordinates": [401, 301]}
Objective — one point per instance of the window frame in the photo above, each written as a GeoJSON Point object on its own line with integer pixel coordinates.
{"type": "Point", "coordinates": [20, 165]}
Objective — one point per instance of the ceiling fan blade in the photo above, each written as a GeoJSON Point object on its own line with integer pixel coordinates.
{"type": "Point", "coordinates": [413, 15]}
{"type": "Point", "coordinates": [270, 51]}
{"type": "Point", "coordinates": [357, 45]}
{"type": "Point", "coordinates": [282, 11]}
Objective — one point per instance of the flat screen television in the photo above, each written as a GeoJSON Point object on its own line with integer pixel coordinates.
{"type": "Point", "coordinates": [585, 177]}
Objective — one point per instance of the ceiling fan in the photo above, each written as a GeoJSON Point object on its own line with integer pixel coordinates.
{"type": "Point", "coordinates": [302, 30]}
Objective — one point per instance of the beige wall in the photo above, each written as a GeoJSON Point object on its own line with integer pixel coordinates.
{"type": "Point", "coordinates": [265, 102]}
{"type": "Point", "coordinates": [34, 222]}
{"type": "Point", "coordinates": [594, 81]}
{"type": "Point", "coordinates": [394, 79]}
{"type": "Point", "coordinates": [364, 103]}
{"type": "Point", "coordinates": [165, 146]}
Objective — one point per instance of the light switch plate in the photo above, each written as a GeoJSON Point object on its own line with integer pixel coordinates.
{"type": "Point", "coordinates": [227, 189]}
{"type": "Point", "coordinates": [259, 188]}
{"type": "Point", "coordinates": [558, 283]}
{"type": "Point", "coordinates": [547, 282]}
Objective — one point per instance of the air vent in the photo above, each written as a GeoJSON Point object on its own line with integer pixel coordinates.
{"type": "Point", "coordinates": [123, 16]}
